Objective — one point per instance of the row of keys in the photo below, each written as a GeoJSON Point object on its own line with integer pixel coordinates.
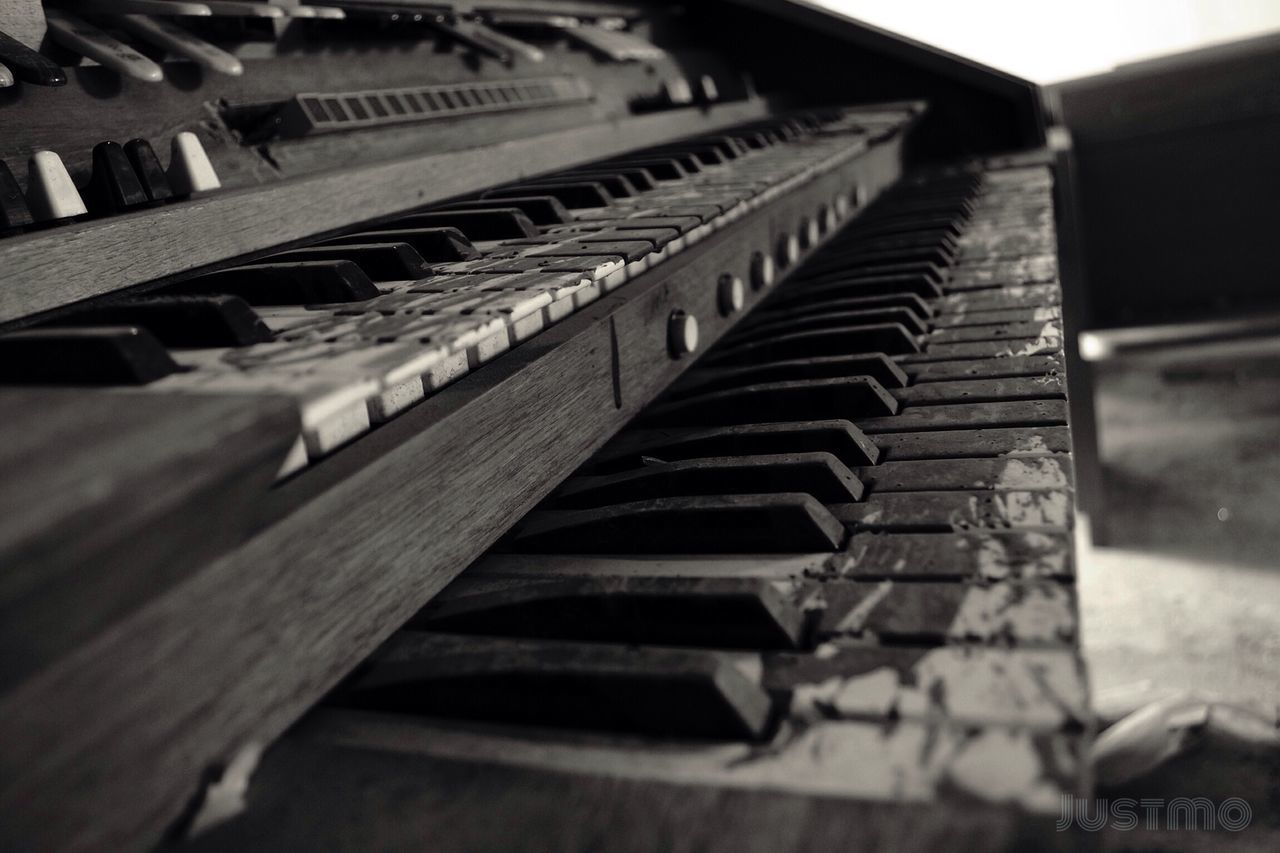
{"type": "Point", "coordinates": [362, 326]}
{"type": "Point", "coordinates": [101, 30]}
{"type": "Point", "coordinates": [735, 596]}
{"type": "Point", "coordinates": [873, 502]}
{"type": "Point", "coordinates": [125, 177]}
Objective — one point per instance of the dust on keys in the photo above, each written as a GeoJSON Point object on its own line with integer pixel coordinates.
{"type": "Point", "coordinates": [819, 596]}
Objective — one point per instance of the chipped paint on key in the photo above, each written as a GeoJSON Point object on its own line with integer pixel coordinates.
{"type": "Point", "coordinates": [911, 762]}
{"type": "Point", "coordinates": [1022, 612]}
{"type": "Point", "coordinates": [965, 556]}
{"type": "Point", "coordinates": [1042, 689]}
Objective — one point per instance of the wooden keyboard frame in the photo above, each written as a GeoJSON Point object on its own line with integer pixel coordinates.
{"type": "Point", "coordinates": [50, 268]}
{"type": "Point", "coordinates": [117, 735]}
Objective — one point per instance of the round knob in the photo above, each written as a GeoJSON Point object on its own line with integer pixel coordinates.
{"type": "Point", "coordinates": [732, 295]}
{"type": "Point", "coordinates": [788, 250]}
{"type": "Point", "coordinates": [682, 333]}
{"type": "Point", "coordinates": [761, 270]}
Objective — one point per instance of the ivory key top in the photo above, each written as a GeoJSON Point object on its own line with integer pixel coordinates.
{"type": "Point", "coordinates": [84, 38]}
{"type": "Point", "coordinates": [176, 40]}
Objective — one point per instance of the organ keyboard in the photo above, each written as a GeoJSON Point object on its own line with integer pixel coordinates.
{"type": "Point", "coordinates": [705, 464]}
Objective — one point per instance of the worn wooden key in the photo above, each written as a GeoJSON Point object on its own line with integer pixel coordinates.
{"type": "Point", "coordinates": [681, 692]}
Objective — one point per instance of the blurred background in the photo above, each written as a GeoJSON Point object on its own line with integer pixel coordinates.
{"type": "Point", "coordinates": [1051, 41]}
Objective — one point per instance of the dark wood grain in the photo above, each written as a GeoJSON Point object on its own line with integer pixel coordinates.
{"type": "Point", "coordinates": [240, 648]}
{"type": "Point", "coordinates": [122, 494]}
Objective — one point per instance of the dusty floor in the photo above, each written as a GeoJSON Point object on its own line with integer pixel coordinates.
{"type": "Point", "coordinates": [1185, 596]}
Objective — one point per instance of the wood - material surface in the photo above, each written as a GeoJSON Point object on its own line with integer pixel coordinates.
{"type": "Point", "coordinates": [112, 496]}
{"type": "Point", "coordinates": [241, 648]}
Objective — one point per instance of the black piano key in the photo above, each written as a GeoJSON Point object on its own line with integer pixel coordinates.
{"type": "Point", "coordinates": [877, 366]}
{"type": "Point", "coordinates": [936, 255]}
{"type": "Point", "coordinates": [960, 556]}
{"type": "Point", "coordinates": [696, 155]}
{"type": "Point", "coordinates": [181, 321]}
{"type": "Point", "coordinates": [481, 46]}
{"type": "Point", "coordinates": [706, 212]}
{"type": "Point", "coordinates": [380, 261]}
{"type": "Point", "coordinates": [681, 224]}
{"type": "Point", "coordinates": [14, 212]}
{"type": "Point", "coordinates": [840, 269]}
{"type": "Point", "coordinates": [622, 232]}
{"type": "Point", "coordinates": [661, 691]}
{"type": "Point", "coordinates": [716, 612]}
{"type": "Point", "coordinates": [1022, 473]}
{"type": "Point", "coordinates": [493, 223]}
{"type": "Point", "coordinates": [108, 355]}
{"type": "Point", "coordinates": [298, 283]}
{"type": "Point", "coordinates": [28, 65]}
{"type": "Point", "coordinates": [903, 235]}
{"type": "Point", "coordinates": [850, 303]}
{"type": "Point", "coordinates": [986, 350]}
{"type": "Point", "coordinates": [1029, 329]}
{"type": "Point", "coordinates": [688, 161]}
{"type": "Point", "coordinates": [998, 317]}
{"type": "Point", "coordinates": [889, 338]}
{"type": "Point", "coordinates": [572, 194]}
{"type": "Point", "coordinates": [820, 475]}
{"type": "Point", "coordinates": [974, 443]}
{"type": "Point", "coordinates": [944, 512]}
{"type": "Point", "coordinates": [984, 368]}
{"type": "Point", "coordinates": [664, 169]}
{"type": "Point", "coordinates": [438, 245]}
{"type": "Point", "coordinates": [929, 613]}
{"type": "Point", "coordinates": [640, 179]}
{"type": "Point", "coordinates": [628, 250]}
{"type": "Point", "coordinates": [146, 165]}
{"type": "Point", "coordinates": [114, 186]}
{"type": "Point", "coordinates": [731, 146]}
{"type": "Point", "coordinates": [617, 185]}
{"type": "Point", "coordinates": [1020, 413]}
{"type": "Point", "coordinates": [542, 210]}
{"type": "Point", "coordinates": [855, 398]}
{"type": "Point", "coordinates": [840, 438]}
{"type": "Point", "coordinates": [800, 292]}
{"type": "Point", "coordinates": [805, 321]}
{"type": "Point", "coordinates": [983, 391]}
{"type": "Point", "coordinates": [723, 524]}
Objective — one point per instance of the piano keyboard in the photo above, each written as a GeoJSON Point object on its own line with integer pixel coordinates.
{"type": "Point", "coordinates": [828, 573]}
{"type": "Point", "coordinates": [359, 327]}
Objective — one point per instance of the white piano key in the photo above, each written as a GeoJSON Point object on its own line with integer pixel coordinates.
{"type": "Point", "coordinates": [238, 9]}
{"type": "Point", "coordinates": [510, 43]}
{"type": "Point", "coordinates": [87, 40]}
{"type": "Point", "coordinates": [51, 194]}
{"type": "Point", "coordinates": [449, 369]}
{"type": "Point", "coordinates": [189, 168]}
{"type": "Point", "coordinates": [147, 7]}
{"type": "Point", "coordinates": [178, 41]}
{"type": "Point", "coordinates": [329, 13]}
